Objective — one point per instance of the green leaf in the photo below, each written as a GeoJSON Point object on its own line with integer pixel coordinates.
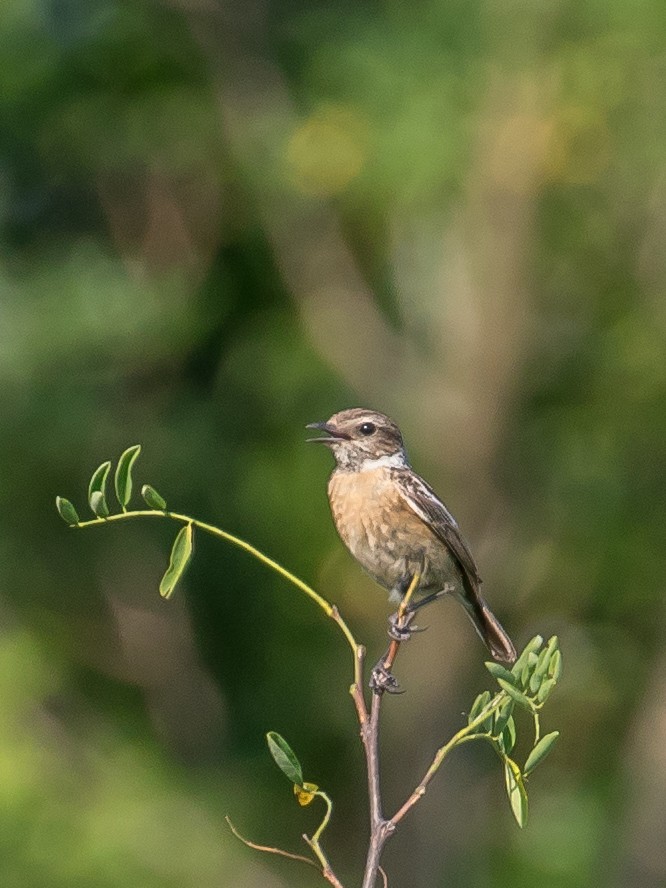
{"type": "Point", "coordinates": [545, 689]}
{"type": "Point", "coordinates": [515, 789]}
{"type": "Point", "coordinates": [499, 671]}
{"type": "Point", "coordinates": [98, 482]}
{"type": "Point", "coordinates": [515, 694]}
{"type": "Point", "coordinates": [181, 552]}
{"type": "Point", "coordinates": [123, 479]}
{"type": "Point", "coordinates": [509, 735]}
{"type": "Point", "coordinates": [540, 669]}
{"type": "Point", "coordinates": [540, 751]}
{"type": "Point", "coordinates": [502, 716]}
{"type": "Point", "coordinates": [67, 511]}
{"type": "Point", "coordinates": [285, 757]}
{"type": "Point", "coordinates": [477, 706]}
{"type": "Point", "coordinates": [98, 504]}
{"type": "Point", "coordinates": [152, 498]}
{"type": "Point", "coordinates": [529, 648]}
{"type": "Point", "coordinates": [552, 645]}
{"type": "Point", "coordinates": [530, 663]}
{"type": "Point", "coordinates": [555, 666]}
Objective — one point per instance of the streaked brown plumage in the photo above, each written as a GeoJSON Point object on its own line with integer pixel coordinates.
{"type": "Point", "coordinates": [394, 524]}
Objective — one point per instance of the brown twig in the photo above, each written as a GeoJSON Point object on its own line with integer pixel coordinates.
{"type": "Point", "coordinates": [268, 849]}
{"type": "Point", "coordinates": [326, 870]}
{"type": "Point", "coordinates": [380, 827]}
{"type": "Point", "coordinates": [464, 735]}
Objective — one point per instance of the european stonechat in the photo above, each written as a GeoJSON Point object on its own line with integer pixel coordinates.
{"type": "Point", "coordinates": [394, 524]}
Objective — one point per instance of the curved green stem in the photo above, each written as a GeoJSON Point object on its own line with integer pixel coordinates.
{"type": "Point", "coordinates": [537, 727]}
{"type": "Point", "coordinates": [327, 872]}
{"type": "Point", "coordinates": [322, 826]}
{"type": "Point", "coordinates": [329, 609]}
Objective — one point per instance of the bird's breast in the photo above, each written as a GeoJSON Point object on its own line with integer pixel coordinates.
{"type": "Point", "coordinates": [378, 527]}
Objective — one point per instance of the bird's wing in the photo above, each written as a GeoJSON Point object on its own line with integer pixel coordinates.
{"type": "Point", "coordinates": [423, 500]}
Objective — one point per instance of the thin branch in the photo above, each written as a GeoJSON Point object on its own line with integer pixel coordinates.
{"type": "Point", "coordinates": [268, 849]}
{"type": "Point", "coordinates": [356, 690]}
{"type": "Point", "coordinates": [326, 870]}
{"type": "Point", "coordinates": [315, 844]}
{"type": "Point", "coordinates": [329, 609]}
{"type": "Point", "coordinates": [462, 736]}
{"type": "Point", "coordinates": [380, 828]}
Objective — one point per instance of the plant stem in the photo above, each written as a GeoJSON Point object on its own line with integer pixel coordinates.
{"type": "Point", "coordinates": [326, 870]}
{"type": "Point", "coordinates": [329, 609]}
{"type": "Point", "coordinates": [462, 736]}
{"type": "Point", "coordinates": [380, 828]}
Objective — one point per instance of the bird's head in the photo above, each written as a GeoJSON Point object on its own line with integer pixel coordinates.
{"type": "Point", "coordinates": [362, 439]}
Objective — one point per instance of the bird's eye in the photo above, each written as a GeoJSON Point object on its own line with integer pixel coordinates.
{"type": "Point", "coordinates": [367, 428]}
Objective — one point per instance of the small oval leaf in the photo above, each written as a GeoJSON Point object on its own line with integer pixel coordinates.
{"type": "Point", "coordinates": [285, 757]}
{"type": "Point", "coordinates": [515, 789]}
{"type": "Point", "coordinates": [509, 735]}
{"type": "Point", "coordinates": [67, 511]}
{"type": "Point", "coordinates": [529, 648]}
{"type": "Point", "coordinates": [477, 706]}
{"type": "Point", "coordinates": [181, 552]}
{"type": "Point", "coordinates": [98, 481]}
{"type": "Point", "coordinates": [123, 478]}
{"type": "Point", "coordinates": [305, 793]}
{"type": "Point", "coordinates": [502, 716]}
{"type": "Point", "coordinates": [499, 671]}
{"type": "Point", "coordinates": [552, 645]}
{"type": "Point", "coordinates": [152, 498]}
{"type": "Point", "coordinates": [555, 666]}
{"type": "Point", "coordinates": [540, 669]}
{"type": "Point", "coordinates": [545, 689]}
{"type": "Point", "coordinates": [515, 694]}
{"type": "Point", "coordinates": [540, 751]}
{"type": "Point", "coordinates": [528, 667]}
{"type": "Point", "coordinates": [98, 504]}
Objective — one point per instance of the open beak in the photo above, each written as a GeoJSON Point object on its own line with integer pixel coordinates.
{"type": "Point", "coordinates": [332, 433]}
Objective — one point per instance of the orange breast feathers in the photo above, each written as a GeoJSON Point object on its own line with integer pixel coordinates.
{"type": "Point", "coordinates": [376, 524]}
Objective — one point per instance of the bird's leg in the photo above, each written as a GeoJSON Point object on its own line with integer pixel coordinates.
{"type": "Point", "coordinates": [401, 629]}
{"type": "Point", "coordinates": [382, 678]}
{"type": "Point", "coordinates": [411, 609]}
{"type": "Point", "coordinates": [400, 623]}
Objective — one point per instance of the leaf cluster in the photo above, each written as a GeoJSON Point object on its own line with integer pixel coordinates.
{"type": "Point", "coordinates": [527, 685]}
{"type": "Point", "coordinates": [182, 548]}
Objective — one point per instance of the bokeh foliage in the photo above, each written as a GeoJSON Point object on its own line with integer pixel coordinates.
{"type": "Point", "coordinates": [221, 221]}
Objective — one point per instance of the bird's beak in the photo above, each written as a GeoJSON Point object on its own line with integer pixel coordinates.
{"type": "Point", "coordinates": [331, 431]}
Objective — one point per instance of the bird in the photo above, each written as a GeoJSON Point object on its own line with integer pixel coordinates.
{"type": "Point", "coordinates": [395, 525]}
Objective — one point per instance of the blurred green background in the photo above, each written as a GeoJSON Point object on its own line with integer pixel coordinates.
{"type": "Point", "coordinates": [222, 220]}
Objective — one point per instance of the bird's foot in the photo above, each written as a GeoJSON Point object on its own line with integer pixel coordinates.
{"type": "Point", "coordinates": [382, 679]}
{"type": "Point", "coordinates": [400, 626]}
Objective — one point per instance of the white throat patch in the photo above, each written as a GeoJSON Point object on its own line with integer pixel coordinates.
{"type": "Point", "coordinates": [394, 461]}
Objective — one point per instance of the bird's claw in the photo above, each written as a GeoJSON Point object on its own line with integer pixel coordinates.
{"type": "Point", "coordinates": [400, 628]}
{"type": "Point", "coordinates": [381, 679]}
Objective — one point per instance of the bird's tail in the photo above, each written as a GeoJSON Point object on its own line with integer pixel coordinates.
{"type": "Point", "coordinates": [488, 626]}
